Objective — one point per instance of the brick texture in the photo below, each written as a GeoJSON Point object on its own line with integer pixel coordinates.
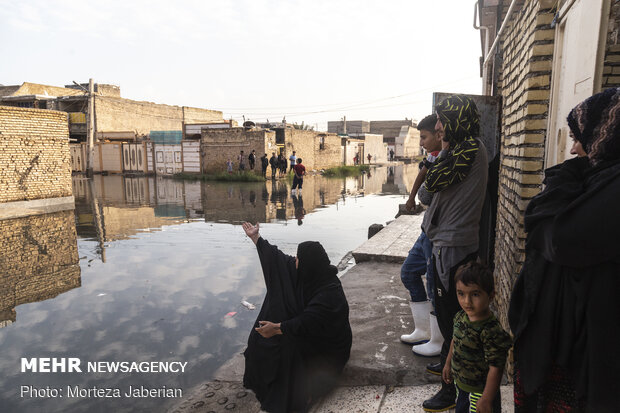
{"type": "Point", "coordinates": [39, 260]}
{"type": "Point", "coordinates": [34, 154]}
{"type": "Point", "coordinates": [523, 82]}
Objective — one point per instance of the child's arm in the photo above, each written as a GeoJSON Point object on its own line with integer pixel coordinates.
{"type": "Point", "coordinates": [485, 403]}
{"type": "Point", "coordinates": [446, 374]}
{"type": "Point", "coordinates": [419, 180]}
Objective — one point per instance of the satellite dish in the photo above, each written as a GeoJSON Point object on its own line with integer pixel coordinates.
{"type": "Point", "coordinates": [248, 124]}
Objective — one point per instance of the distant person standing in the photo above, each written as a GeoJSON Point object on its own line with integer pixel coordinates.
{"type": "Point", "coordinates": [369, 158]}
{"type": "Point", "coordinates": [264, 163]}
{"type": "Point", "coordinates": [241, 159]}
{"type": "Point", "coordinates": [229, 166]}
{"type": "Point", "coordinates": [293, 159]}
{"type": "Point", "coordinates": [298, 179]}
{"type": "Point", "coordinates": [273, 162]}
{"type": "Point", "coordinates": [252, 159]}
{"type": "Point", "coordinates": [391, 154]}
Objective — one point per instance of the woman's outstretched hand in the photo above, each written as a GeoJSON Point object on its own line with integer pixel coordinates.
{"type": "Point", "coordinates": [251, 231]}
{"type": "Point", "coordinates": [268, 329]}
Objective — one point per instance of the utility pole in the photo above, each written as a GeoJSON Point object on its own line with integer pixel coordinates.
{"type": "Point", "coordinates": [90, 127]}
{"type": "Point", "coordinates": [344, 125]}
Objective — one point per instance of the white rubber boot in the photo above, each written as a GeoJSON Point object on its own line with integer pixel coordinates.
{"type": "Point", "coordinates": [433, 347]}
{"type": "Point", "coordinates": [421, 312]}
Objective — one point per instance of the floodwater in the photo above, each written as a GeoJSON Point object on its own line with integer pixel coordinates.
{"type": "Point", "coordinates": [148, 269]}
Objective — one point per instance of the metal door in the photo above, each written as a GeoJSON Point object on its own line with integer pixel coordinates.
{"type": "Point", "coordinates": [126, 157]}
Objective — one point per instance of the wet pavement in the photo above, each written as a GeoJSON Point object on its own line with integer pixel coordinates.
{"type": "Point", "coordinates": [382, 374]}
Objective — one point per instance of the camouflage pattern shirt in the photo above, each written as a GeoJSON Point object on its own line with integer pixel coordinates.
{"type": "Point", "coordinates": [477, 345]}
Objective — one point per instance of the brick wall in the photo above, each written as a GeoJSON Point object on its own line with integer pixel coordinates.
{"type": "Point", "coordinates": [524, 84]}
{"type": "Point", "coordinates": [318, 150]}
{"type": "Point", "coordinates": [611, 68]}
{"type": "Point", "coordinates": [219, 145]}
{"type": "Point", "coordinates": [39, 260]}
{"type": "Point", "coordinates": [34, 154]}
{"type": "Point", "coordinates": [117, 114]}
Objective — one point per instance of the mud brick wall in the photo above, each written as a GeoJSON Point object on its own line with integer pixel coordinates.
{"type": "Point", "coordinates": [318, 150]}
{"type": "Point", "coordinates": [38, 260]}
{"type": "Point", "coordinates": [219, 145]}
{"type": "Point", "coordinates": [117, 114]}
{"type": "Point", "coordinates": [34, 154]}
{"type": "Point", "coordinates": [524, 83]}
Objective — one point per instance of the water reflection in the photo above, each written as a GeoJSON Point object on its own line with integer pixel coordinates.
{"type": "Point", "coordinates": [129, 205]}
{"type": "Point", "coordinates": [38, 260]}
{"type": "Point", "coordinates": [160, 268]}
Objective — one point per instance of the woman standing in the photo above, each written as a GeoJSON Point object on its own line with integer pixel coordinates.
{"type": "Point", "coordinates": [302, 338]}
{"type": "Point", "coordinates": [564, 311]}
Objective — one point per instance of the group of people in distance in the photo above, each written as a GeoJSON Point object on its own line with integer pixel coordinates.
{"type": "Point", "coordinates": [563, 314]}
{"type": "Point", "coordinates": [278, 163]}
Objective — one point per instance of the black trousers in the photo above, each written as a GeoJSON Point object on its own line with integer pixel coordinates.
{"type": "Point", "coordinates": [447, 305]}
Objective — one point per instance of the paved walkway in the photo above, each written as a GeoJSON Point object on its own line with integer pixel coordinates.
{"type": "Point", "coordinates": [382, 374]}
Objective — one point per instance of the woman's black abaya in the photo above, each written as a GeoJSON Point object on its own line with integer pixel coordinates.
{"type": "Point", "coordinates": [287, 371]}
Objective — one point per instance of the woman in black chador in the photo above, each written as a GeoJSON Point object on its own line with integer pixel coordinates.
{"type": "Point", "coordinates": [302, 337]}
{"type": "Point", "coordinates": [565, 311]}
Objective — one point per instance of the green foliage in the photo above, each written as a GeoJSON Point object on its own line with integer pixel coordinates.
{"type": "Point", "coordinates": [245, 176]}
{"type": "Point", "coordinates": [302, 126]}
{"type": "Point", "coordinates": [346, 170]}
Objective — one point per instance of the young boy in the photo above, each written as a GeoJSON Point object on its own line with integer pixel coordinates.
{"type": "Point", "coordinates": [419, 262]}
{"type": "Point", "coordinates": [431, 142]}
{"type": "Point", "coordinates": [479, 344]}
{"type": "Point", "coordinates": [298, 179]}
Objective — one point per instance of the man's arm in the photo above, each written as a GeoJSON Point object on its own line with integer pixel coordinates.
{"type": "Point", "coordinates": [419, 180]}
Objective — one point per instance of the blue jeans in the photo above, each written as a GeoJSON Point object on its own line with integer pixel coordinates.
{"type": "Point", "coordinates": [419, 262]}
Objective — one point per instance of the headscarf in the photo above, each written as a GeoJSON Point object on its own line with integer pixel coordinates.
{"type": "Point", "coordinates": [461, 122]}
{"type": "Point", "coordinates": [315, 271]}
{"type": "Point", "coordinates": [595, 123]}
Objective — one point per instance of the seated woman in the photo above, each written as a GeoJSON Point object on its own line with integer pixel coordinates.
{"type": "Point", "coordinates": [564, 310]}
{"type": "Point", "coordinates": [302, 338]}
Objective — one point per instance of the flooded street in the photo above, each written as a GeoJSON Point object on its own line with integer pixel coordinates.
{"type": "Point", "coordinates": [155, 269]}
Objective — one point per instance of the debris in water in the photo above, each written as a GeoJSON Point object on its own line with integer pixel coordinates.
{"type": "Point", "coordinates": [247, 305]}
{"type": "Point", "coordinates": [101, 294]}
{"type": "Point", "coordinates": [231, 314]}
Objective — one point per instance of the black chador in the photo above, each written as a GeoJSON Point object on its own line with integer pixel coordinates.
{"type": "Point", "coordinates": [289, 371]}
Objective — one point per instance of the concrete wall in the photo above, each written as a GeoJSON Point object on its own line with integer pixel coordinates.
{"type": "Point", "coordinates": [373, 145]}
{"type": "Point", "coordinates": [389, 128]}
{"type": "Point", "coordinates": [407, 143]}
{"type": "Point", "coordinates": [524, 83]}
{"type": "Point", "coordinates": [219, 145]}
{"type": "Point", "coordinates": [35, 144]}
{"type": "Point", "coordinates": [353, 126]}
{"type": "Point", "coordinates": [117, 114]}
{"type": "Point", "coordinates": [39, 260]}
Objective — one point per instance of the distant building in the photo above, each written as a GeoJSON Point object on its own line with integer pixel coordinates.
{"type": "Point", "coordinates": [116, 118]}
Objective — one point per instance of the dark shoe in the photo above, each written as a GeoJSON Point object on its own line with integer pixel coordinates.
{"type": "Point", "coordinates": [445, 399]}
{"type": "Point", "coordinates": [434, 368]}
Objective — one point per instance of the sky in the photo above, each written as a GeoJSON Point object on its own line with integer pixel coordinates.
{"type": "Point", "coordinates": [306, 60]}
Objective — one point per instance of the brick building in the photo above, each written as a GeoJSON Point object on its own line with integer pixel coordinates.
{"type": "Point", "coordinates": [115, 117]}
{"type": "Point", "coordinates": [319, 150]}
{"type": "Point", "coordinates": [35, 143]}
{"type": "Point", "coordinates": [550, 56]}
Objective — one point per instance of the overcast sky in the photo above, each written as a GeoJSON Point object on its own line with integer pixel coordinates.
{"type": "Point", "coordinates": [308, 60]}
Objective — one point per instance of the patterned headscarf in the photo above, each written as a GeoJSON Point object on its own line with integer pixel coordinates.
{"type": "Point", "coordinates": [461, 122]}
{"type": "Point", "coordinates": [595, 123]}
